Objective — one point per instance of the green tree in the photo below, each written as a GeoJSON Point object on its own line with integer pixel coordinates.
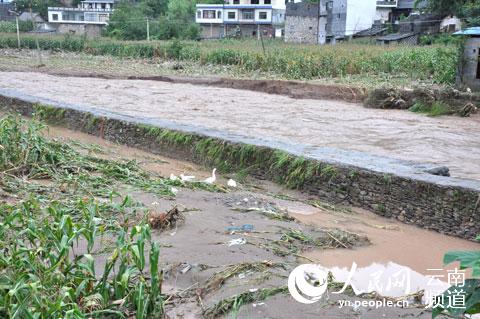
{"type": "Point", "coordinates": [39, 6]}
{"type": "Point", "coordinates": [469, 10]}
{"type": "Point", "coordinates": [128, 22]}
{"type": "Point", "coordinates": [168, 19]}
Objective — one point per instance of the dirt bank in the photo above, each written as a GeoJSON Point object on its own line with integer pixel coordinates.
{"type": "Point", "coordinates": [448, 141]}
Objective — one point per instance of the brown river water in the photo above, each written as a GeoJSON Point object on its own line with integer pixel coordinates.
{"type": "Point", "coordinates": [450, 141]}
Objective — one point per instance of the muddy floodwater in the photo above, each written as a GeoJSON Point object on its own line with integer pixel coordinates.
{"type": "Point", "coordinates": [450, 141]}
{"type": "Point", "coordinates": [419, 250]}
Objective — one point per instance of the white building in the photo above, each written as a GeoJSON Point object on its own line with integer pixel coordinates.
{"type": "Point", "coordinates": [249, 17]}
{"type": "Point", "coordinates": [88, 18]}
{"type": "Point", "coordinates": [89, 11]}
{"type": "Point", "coordinates": [343, 18]}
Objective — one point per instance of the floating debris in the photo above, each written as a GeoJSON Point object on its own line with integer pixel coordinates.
{"type": "Point", "coordinates": [238, 241]}
{"type": "Point", "coordinates": [246, 228]}
{"type": "Point", "coordinates": [165, 220]}
{"type": "Point", "coordinates": [231, 183]}
{"type": "Point", "coordinates": [235, 302]}
{"type": "Point", "coordinates": [272, 214]}
{"type": "Point", "coordinates": [186, 178]}
{"type": "Point", "coordinates": [219, 278]}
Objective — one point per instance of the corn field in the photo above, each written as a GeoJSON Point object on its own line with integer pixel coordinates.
{"type": "Point", "coordinates": [291, 61]}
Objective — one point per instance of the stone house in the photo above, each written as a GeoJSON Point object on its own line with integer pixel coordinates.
{"type": "Point", "coordinates": [5, 8]}
{"type": "Point", "coordinates": [469, 67]}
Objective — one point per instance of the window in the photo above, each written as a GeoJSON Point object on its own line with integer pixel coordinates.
{"type": "Point", "coordinates": [103, 6]}
{"type": "Point", "coordinates": [55, 17]}
{"type": "Point", "coordinates": [232, 16]}
{"type": "Point", "coordinates": [209, 14]}
{"type": "Point", "coordinates": [199, 14]}
{"type": "Point", "coordinates": [267, 2]}
{"type": "Point", "coordinates": [262, 15]}
{"type": "Point", "coordinates": [219, 14]}
{"type": "Point", "coordinates": [247, 14]}
{"type": "Point", "coordinates": [236, 1]}
{"type": "Point", "coordinates": [254, 1]}
{"type": "Point", "coordinates": [68, 16]}
{"type": "Point", "coordinates": [103, 17]}
{"type": "Point", "coordinates": [92, 17]}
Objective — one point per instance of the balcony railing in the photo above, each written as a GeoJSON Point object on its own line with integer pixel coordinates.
{"type": "Point", "coordinates": [79, 9]}
{"type": "Point", "coordinates": [386, 3]}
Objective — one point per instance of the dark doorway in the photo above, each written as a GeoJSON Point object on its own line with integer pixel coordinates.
{"type": "Point", "coordinates": [478, 64]}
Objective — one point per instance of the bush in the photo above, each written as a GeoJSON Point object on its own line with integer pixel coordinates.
{"type": "Point", "coordinates": [11, 26]}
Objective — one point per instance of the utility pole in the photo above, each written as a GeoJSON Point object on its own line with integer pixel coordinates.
{"type": "Point", "coordinates": [18, 28]}
{"type": "Point", "coordinates": [148, 30]}
{"type": "Point", "coordinates": [261, 39]}
{"type": "Point", "coordinates": [18, 32]}
{"type": "Point", "coordinates": [39, 54]}
{"type": "Point", "coordinates": [318, 20]}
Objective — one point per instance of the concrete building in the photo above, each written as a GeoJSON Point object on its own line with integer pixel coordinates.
{"type": "Point", "coordinates": [88, 18]}
{"type": "Point", "coordinates": [5, 8]}
{"type": "Point", "coordinates": [469, 68]}
{"type": "Point", "coordinates": [241, 18]}
{"type": "Point", "coordinates": [328, 21]}
{"type": "Point", "coordinates": [391, 11]}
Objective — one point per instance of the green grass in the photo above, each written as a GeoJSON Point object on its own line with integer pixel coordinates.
{"type": "Point", "coordinates": [282, 167]}
{"type": "Point", "coordinates": [436, 109]}
{"type": "Point", "coordinates": [290, 61]}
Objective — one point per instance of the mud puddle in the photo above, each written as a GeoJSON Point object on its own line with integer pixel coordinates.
{"type": "Point", "coordinates": [246, 241]}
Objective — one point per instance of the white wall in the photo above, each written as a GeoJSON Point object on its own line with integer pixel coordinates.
{"type": "Point", "coordinates": [383, 14]}
{"type": "Point", "coordinates": [360, 15]}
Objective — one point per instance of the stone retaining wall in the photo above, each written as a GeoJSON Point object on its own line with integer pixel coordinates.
{"type": "Point", "coordinates": [447, 209]}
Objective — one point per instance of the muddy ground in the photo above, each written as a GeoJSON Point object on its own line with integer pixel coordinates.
{"type": "Point", "coordinates": [449, 141]}
{"type": "Point", "coordinates": [198, 248]}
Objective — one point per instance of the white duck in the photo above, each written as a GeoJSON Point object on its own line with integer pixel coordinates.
{"type": "Point", "coordinates": [186, 178]}
{"type": "Point", "coordinates": [231, 183]}
{"type": "Point", "coordinates": [212, 178]}
{"type": "Point", "coordinates": [173, 177]}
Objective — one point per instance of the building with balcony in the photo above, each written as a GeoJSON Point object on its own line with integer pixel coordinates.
{"type": "Point", "coordinates": [390, 11]}
{"type": "Point", "coordinates": [241, 18]}
{"type": "Point", "coordinates": [88, 18]}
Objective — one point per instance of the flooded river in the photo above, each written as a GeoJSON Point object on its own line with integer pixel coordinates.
{"type": "Point", "coordinates": [450, 141]}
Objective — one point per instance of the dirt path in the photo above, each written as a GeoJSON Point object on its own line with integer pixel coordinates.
{"type": "Point", "coordinates": [449, 141]}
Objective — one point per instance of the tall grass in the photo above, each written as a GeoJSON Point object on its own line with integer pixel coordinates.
{"type": "Point", "coordinates": [291, 61]}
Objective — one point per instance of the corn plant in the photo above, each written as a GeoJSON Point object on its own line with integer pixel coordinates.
{"type": "Point", "coordinates": [45, 273]}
